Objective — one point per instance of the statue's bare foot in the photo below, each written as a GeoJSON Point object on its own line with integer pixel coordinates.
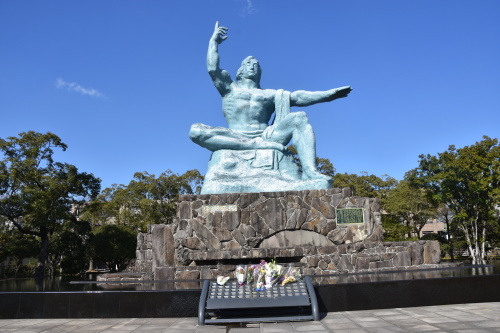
{"type": "Point", "coordinates": [314, 174]}
{"type": "Point", "coordinates": [260, 143]}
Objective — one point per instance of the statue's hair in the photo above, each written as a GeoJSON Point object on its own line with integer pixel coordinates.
{"type": "Point", "coordinates": [239, 73]}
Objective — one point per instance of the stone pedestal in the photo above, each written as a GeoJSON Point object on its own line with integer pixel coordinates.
{"type": "Point", "coordinates": [231, 225]}
{"type": "Point", "coordinates": [321, 231]}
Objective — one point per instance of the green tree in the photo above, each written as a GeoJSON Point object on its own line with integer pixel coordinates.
{"type": "Point", "coordinates": [322, 164]}
{"type": "Point", "coordinates": [68, 250]}
{"type": "Point", "coordinates": [494, 232]}
{"type": "Point", "coordinates": [411, 205]}
{"type": "Point", "coordinates": [394, 229]}
{"type": "Point", "coordinates": [365, 185]}
{"type": "Point", "coordinates": [466, 180]}
{"type": "Point", "coordinates": [37, 194]}
{"type": "Point", "coordinates": [147, 199]}
{"type": "Point", "coordinates": [115, 245]}
{"type": "Point", "coordinates": [14, 248]}
{"type": "Point", "coordinates": [445, 215]}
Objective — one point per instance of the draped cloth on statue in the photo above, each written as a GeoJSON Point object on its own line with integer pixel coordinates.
{"type": "Point", "coordinates": [281, 105]}
{"type": "Point", "coordinates": [269, 159]}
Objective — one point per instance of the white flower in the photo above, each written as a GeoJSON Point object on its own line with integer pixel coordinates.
{"type": "Point", "coordinates": [221, 280]}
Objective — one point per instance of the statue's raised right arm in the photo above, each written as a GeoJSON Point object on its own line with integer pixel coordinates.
{"type": "Point", "coordinates": [221, 78]}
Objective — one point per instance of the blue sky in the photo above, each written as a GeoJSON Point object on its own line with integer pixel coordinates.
{"type": "Point", "coordinates": [121, 82]}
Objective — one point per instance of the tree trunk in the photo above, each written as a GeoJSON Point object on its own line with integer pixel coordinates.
{"type": "Point", "coordinates": [483, 245]}
{"type": "Point", "coordinates": [18, 263]}
{"type": "Point", "coordinates": [44, 252]}
{"type": "Point", "coordinates": [477, 252]}
{"type": "Point", "coordinates": [470, 245]}
{"type": "Point", "coordinates": [450, 242]}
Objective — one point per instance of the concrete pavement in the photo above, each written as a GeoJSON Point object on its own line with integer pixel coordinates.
{"type": "Point", "coordinates": [463, 318]}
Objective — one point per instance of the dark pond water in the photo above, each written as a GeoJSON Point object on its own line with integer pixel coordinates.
{"type": "Point", "coordinates": [59, 284]}
{"type": "Point", "coordinates": [493, 267]}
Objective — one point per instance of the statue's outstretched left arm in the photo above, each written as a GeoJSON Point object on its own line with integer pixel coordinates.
{"type": "Point", "coordinates": [306, 98]}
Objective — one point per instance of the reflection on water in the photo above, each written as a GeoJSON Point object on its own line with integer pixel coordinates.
{"type": "Point", "coordinates": [59, 284]}
{"type": "Point", "coordinates": [460, 271]}
{"type": "Point", "coordinates": [48, 284]}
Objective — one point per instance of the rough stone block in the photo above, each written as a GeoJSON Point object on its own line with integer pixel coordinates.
{"type": "Point", "coordinates": [193, 243]}
{"type": "Point", "coordinates": [327, 249]}
{"type": "Point", "coordinates": [222, 234]}
{"type": "Point", "coordinates": [246, 230]}
{"type": "Point", "coordinates": [164, 273]}
{"type": "Point", "coordinates": [140, 254]}
{"type": "Point", "coordinates": [312, 261]}
{"type": "Point", "coordinates": [380, 264]}
{"type": "Point", "coordinates": [230, 220]}
{"type": "Point", "coordinates": [298, 251]}
{"type": "Point", "coordinates": [246, 199]}
{"type": "Point", "coordinates": [416, 253]}
{"type": "Point", "coordinates": [238, 236]}
{"type": "Point", "coordinates": [205, 235]}
{"type": "Point", "coordinates": [184, 210]}
{"type": "Point", "coordinates": [345, 263]}
{"type": "Point", "coordinates": [324, 208]}
{"type": "Point", "coordinates": [236, 253]}
{"type": "Point", "coordinates": [322, 264]}
{"type": "Point", "coordinates": [231, 245]}
{"type": "Point", "coordinates": [331, 267]}
{"type": "Point", "coordinates": [432, 252]}
{"type": "Point", "coordinates": [187, 275]}
{"type": "Point", "coordinates": [254, 253]}
{"type": "Point", "coordinates": [162, 246]}
{"type": "Point", "coordinates": [213, 254]}
{"type": "Point", "coordinates": [361, 263]}
{"type": "Point", "coordinates": [387, 256]}
{"type": "Point", "coordinates": [402, 259]}
{"type": "Point", "coordinates": [271, 211]}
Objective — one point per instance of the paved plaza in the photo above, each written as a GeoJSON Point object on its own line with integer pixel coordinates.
{"type": "Point", "coordinates": [464, 318]}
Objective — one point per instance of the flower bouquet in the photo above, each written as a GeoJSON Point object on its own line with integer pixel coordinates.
{"type": "Point", "coordinates": [292, 274]}
{"type": "Point", "coordinates": [259, 274]}
{"type": "Point", "coordinates": [265, 275]}
{"type": "Point", "coordinates": [273, 273]}
{"type": "Point", "coordinates": [241, 275]}
{"type": "Point", "coordinates": [250, 271]}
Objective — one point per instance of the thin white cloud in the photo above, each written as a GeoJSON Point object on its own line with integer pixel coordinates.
{"type": "Point", "coordinates": [73, 86]}
{"type": "Point", "coordinates": [248, 9]}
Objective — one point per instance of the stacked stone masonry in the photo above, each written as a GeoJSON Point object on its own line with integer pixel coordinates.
{"type": "Point", "coordinates": [223, 226]}
{"type": "Point", "coordinates": [215, 232]}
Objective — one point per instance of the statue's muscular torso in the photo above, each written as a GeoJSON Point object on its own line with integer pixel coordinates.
{"type": "Point", "coordinates": [248, 109]}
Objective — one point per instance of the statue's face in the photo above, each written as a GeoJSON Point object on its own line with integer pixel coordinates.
{"type": "Point", "coordinates": [251, 69]}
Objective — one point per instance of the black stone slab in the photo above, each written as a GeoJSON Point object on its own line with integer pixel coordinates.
{"type": "Point", "coordinates": [184, 303]}
{"type": "Point", "coordinates": [408, 293]}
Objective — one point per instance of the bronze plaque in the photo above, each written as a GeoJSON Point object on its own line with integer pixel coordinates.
{"type": "Point", "coordinates": [350, 215]}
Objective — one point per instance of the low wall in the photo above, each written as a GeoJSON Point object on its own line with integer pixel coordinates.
{"type": "Point", "coordinates": [343, 258]}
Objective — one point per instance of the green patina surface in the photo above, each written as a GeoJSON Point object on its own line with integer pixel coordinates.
{"type": "Point", "coordinates": [249, 154]}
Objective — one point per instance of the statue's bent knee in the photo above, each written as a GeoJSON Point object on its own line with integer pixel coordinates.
{"type": "Point", "coordinates": [196, 132]}
{"type": "Point", "coordinates": [300, 118]}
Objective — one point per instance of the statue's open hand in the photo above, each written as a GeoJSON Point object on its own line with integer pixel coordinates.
{"type": "Point", "coordinates": [341, 92]}
{"type": "Point", "coordinates": [219, 33]}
